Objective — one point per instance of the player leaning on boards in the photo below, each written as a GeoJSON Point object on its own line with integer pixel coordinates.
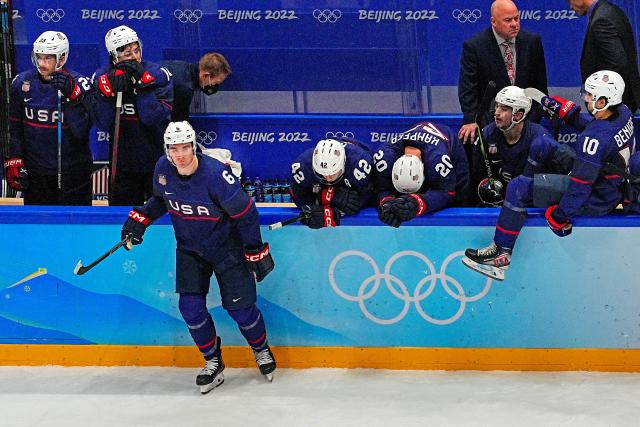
{"type": "Point", "coordinates": [217, 230]}
{"type": "Point", "coordinates": [424, 170]}
{"type": "Point", "coordinates": [331, 180]}
{"type": "Point", "coordinates": [607, 137]}
{"type": "Point", "coordinates": [49, 158]}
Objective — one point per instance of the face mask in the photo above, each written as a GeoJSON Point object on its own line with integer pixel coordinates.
{"type": "Point", "coordinates": [210, 89]}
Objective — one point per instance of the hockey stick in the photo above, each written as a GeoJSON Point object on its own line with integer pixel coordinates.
{"type": "Point", "coordinates": [81, 269]}
{"type": "Point", "coordinates": [116, 138]}
{"type": "Point", "coordinates": [487, 97]}
{"type": "Point", "coordinates": [59, 140]}
{"type": "Point", "coordinates": [281, 224]}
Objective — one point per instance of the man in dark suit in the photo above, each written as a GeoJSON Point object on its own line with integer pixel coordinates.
{"type": "Point", "coordinates": [504, 54]}
{"type": "Point", "coordinates": [609, 45]}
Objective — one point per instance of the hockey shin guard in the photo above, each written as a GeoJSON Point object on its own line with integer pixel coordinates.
{"type": "Point", "coordinates": [251, 324]}
{"type": "Point", "coordinates": [193, 308]}
{"type": "Point", "coordinates": [514, 211]}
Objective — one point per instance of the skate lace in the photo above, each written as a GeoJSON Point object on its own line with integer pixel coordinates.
{"type": "Point", "coordinates": [489, 250]}
{"type": "Point", "coordinates": [210, 367]}
{"type": "Point", "coordinates": [263, 357]}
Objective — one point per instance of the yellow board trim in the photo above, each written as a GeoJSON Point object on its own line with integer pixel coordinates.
{"type": "Point", "coordinates": [483, 359]}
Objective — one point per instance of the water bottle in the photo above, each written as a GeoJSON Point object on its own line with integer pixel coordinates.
{"type": "Point", "coordinates": [286, 190]}
{"type": "Point", "coordinates": [247, 186]}
{"type": "Point", "coordinates": [268, 191]}
{"type": "Point", "coordinates": [259, 190]}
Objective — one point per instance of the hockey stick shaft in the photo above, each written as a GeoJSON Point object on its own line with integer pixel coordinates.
{"type": "Point", "coordinates": [59, 140]}
{"type": "Point", "coordinates": [81, 269]}
{"type": "Point", "coordinates": [487, 97]}
{"type": "Point", "coordinates": [116, 139]}
{"type": "Point", "coordinates": [281, 224]}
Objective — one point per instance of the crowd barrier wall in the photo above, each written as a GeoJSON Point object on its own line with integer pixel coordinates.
{"type": "Point", "coordinates": [360, 295]}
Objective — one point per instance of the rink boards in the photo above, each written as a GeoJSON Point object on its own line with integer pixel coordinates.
{"type": "Point", "coordinates": [360, 295]}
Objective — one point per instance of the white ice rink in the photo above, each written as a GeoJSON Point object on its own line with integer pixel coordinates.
{"type": "Point", "coordinates": [129, 396]}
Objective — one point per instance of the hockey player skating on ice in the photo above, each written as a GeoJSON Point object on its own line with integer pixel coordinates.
{"type": "Point", "coordinates": [424, 170]}
{"type": "Point", "coordinates": [589, 189]}
{"type": "Point", "coordinates": [49, 158]}
{"type": "Point", "coordinates": [506, 146]}
{"type": "Point", "coordinates": [217, 230]}
{"type": "Point", "coordinates": [147, 95]}
{"type": "Point", "coordinates": [331, 180]}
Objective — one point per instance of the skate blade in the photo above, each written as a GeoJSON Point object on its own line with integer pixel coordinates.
{"type": "Point", "coordinates": [269, 377]}
{"type": "Point", "coordinates": [496, 273]}
{"type": "Point", "coordinates": [204, 389]}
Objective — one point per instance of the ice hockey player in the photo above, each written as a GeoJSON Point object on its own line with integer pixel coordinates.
{"type": "Point", "coordinates": [205, 75]}
{"type": "Point", "coordinates": [423, 170]}
{"type": "Point", "coordinates": [506, 147]}
{"type": "Point", "coordinates": [607, 137]}
{"type": "Point", "coordinates": [147, 95]}
{"type": "Point", "coordinates": [217, 232]}
{"type": "Point", "coordinates": [50, 171]}
{"type": "Point", "coordinates": [331, 180]}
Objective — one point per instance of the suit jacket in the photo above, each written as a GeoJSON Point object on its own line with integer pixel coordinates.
{"type": "Point", "coordinates": [609, 45]}
{"type": "Point", "coordinates": [482, 61]}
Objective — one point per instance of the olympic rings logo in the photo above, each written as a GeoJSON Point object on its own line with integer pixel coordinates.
{"type": "Point", "coordinates": [398, 289]}
{"type": "Point", "coordinates": [338, 135]}
{"type": "Point", "coordinates": [327, 15]}
{"type": "Point", "coordinates": [206, 138]}
{"type": "Point", "coordinates": [50, 15]}
{"type": "Point", "coordinates": [466, 15]}
{"type": "Point", "coordinates": [188, 15]}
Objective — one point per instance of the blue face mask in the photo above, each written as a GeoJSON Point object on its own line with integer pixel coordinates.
{"type": "Point", "coordinates": [210, 89]}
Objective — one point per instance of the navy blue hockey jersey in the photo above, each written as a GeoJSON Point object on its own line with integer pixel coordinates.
{"type": "Point", "coordinates": [33, 124]}
{"type": "Point", "coordinates": [185, 82]}
{"type": "Point", "coordinates": [144, 117]}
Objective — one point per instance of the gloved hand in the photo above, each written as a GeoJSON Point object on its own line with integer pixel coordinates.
{"type": "Point", "coordinates": [386, 215]}
{"type": "Point", "coordinates": [17, 176]}
{"type": "Point", "coordinates": [318, 216]}
{"type": "Point", "coordinates": [408, 206]}
{"type": "Point", "coordinates": [560, 228]}
{"type": "Point", "coordinates": [133, 68]}
{"type": "Point", "coordinates": [564, 108]}
{"type": "Point", "coordinates": [113, 82]}
{"type": "Point", "coordinates": [65, 83]}
{"type": "Point", "coordinates": [134, 227]}
{"type": "Point", "coordinates": [260, 261]}
{"type": "Point", "coordinates": [491, 192]}
{"type": "Point", "coordinates": [344, 199]}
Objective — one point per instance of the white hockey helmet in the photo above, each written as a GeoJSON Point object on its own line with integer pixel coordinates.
{"type": "Point", "coordinates": [119, 37]}
{"type": "Point", "coordinates": [407, 174]}
{"type": "Point", "coordinates": [514, 97]}
{"type": "Point", "coordinates": [51, 43]}
{"type": "Point", "coordinates": [179, 133]}
{"type": "Point", "coordinates": [329, 159]}
{"type": "Point", "coordinates": [604, 84]}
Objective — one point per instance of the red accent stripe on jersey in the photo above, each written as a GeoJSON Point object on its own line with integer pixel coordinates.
{"type": "Point", "coordinates": [580, 181]}
{"type": "Point", "coordinates": [611, 176]}
{"type": "Point", "coordinates": [195, 218]}
{"type": "Point", "coordinates": [451, 193]}
{"type": "Point", "coordinates": [38, 125]}
{"type": "Point", "coordinates": [130, 118]}
{"type": "Point", "coordinates": [166, 104]}
{"type": "Point", "coordinates": [244, 211]}
{"type": "Point", "coordinates": [262, 337]}
{"type": "Point", "coordinates": [208, 344]}
{"type": "Point", "coordinates": [505, 231]}
{"type": "Point", "coordinates": [15, 119]}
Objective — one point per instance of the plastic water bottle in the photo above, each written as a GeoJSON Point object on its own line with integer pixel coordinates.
{"type": "Point", "coordinates": [286, 191]}
{"type": "Point", "coordinates": [259, 190]}
{"type": "Point", "coordinates": [268, 188]}
{"type": "Point", "coordinates": [248, 187]}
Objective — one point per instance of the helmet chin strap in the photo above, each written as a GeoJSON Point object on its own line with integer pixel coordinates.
{"type": "Point", "coordinates": [513, 123]}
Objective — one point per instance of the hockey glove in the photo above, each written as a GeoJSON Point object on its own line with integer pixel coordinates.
{"type": "Point", "coordinates": [386, 215]}
{"type": "Point", "coordinates": [491, 192]}
{"type": "Point", "coordinates": [143, 78]}
{"type": "Point", "coordinates": [342, 198]}
{"type": "Point", "coordinates": [260, 261]}
{"type": "Point", "coordinates": [318, 216]}
{"type": "Point", "coordinates": [64, 82]}
{"type": "Point", "coordinates": [408, 206]}
{"type": "Point", "coordinates": [113, 82]}
{"type": "Point", "coordinates": [134, 227]}
{"type": "Point", "coordinates": [565, 109]}
{"type": "Point", "coordinates": [560, 228]}
{"type": "Point", "coordinates": [17, 176]}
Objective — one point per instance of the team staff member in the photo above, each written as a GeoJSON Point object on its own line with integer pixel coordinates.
{"type": "Point", "coordinates": [217, 230]}
{"type": "Point", "coordinates": [35, 162]}
{"type": "Point", "coordinates": [146, 110]}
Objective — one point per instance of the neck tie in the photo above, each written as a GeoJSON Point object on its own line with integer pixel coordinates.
{"type": "Point", "coordinates": [508, 61]}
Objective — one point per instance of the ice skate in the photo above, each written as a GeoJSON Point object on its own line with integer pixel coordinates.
{"type": "Point", "coordinates": [491, 261]}
{"type": "Point", "coordinates": [266, 362]}
{"type": "Point", "coordinates": [211, 375]}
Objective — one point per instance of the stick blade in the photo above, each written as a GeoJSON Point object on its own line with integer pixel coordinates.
{"type": "Point", "coordinates": [534, 94]}
{"type": "Point", "coordinates": [275, 226]}
{"type": "Point", "coordinates": [79, 270]}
